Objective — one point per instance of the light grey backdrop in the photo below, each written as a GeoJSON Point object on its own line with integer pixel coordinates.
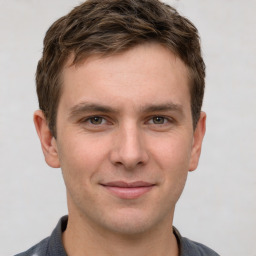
{"type": "Point", "coordinates": [218, 206]}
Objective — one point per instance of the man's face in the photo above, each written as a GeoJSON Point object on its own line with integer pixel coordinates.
{"type": "Point", "coordinates": [125, 139]}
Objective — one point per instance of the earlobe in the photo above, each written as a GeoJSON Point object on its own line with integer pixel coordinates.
{"type": "Point", "coordinates": [197, 141]}
{"type": "Point", "coordinates": [48, 142]}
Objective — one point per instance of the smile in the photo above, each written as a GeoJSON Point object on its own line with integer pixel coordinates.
{"type": "Point", "coordinates": [126, 190]}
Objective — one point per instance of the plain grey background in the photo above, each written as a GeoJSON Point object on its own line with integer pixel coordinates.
{"type": "Point", "coordinates": [218, 206]}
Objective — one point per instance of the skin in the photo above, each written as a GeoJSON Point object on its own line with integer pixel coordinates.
{"type": "Point", "coordinates": [125, 117]}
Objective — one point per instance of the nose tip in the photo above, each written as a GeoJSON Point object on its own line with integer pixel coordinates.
{"type": "Point", "coordinates": [129, 150]}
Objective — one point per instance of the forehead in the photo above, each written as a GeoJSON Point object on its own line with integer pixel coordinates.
{"type": "Point", "coordinates": [144, 73]}
{"type": "Point", "coordinates": [153, 54]}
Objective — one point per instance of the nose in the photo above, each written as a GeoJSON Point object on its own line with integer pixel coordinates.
{"type": "Point", "coordinates": [129, 149]}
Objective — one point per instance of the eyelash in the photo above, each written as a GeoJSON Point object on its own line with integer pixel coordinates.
{"type": "Point", "coordinates": [162, 118]}
{"type": "Point", "coordinates": [89, 120]}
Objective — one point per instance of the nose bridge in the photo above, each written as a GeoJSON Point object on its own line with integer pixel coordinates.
{"type": "Point", "coordinates": [130, 146]}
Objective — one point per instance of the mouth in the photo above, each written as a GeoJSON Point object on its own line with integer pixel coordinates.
{"type": "Point", "coordinates": [128, 190]}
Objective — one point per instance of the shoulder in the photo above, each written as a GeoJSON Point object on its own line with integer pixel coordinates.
{"type": "Point", "coordinates": [50, 246]}
{"type": "Point", "coordinates": [39, 249]}
{"type": "Point", "coordinates": [191, 248]}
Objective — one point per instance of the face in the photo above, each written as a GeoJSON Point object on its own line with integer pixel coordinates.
{"type": "Point", "coordinates": [125, 139]}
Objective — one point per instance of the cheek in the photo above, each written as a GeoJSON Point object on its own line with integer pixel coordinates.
{"type": "Point", "coordinates": [172, 152]}
{"type": "Point", "coordinates": [172, 157]}
{"type": "Point", "coordinates": [80, 163]}
{"type": "Point", "coordinates": [81, 158]}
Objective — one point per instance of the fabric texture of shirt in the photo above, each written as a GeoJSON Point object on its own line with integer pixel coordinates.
{"type": "Point", "coordinates": [53, 246]}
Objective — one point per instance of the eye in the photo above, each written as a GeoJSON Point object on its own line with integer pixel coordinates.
{"type": "Point", "coordinates": [158, 120]}
{"type": "Point", "coordinates": [95, 123]}
{"type": "Point", "coordinates": [96, 120]}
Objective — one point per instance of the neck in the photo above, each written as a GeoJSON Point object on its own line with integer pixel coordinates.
{"type": "Point", "coordinates": [81, 238]}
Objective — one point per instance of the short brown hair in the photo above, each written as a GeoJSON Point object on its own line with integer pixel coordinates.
{"type": "Point", "coordinates": [107, 27]}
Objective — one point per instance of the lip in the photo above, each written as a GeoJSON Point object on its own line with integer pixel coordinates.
{"type": "Point", "coordinates": [128, 190]}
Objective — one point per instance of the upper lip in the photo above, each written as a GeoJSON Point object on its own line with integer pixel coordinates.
{"type": "Point", "coordinates": [123, 184]}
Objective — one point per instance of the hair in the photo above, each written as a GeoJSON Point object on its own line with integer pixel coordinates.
{"type": "Point", "coordinates": [108, 27]}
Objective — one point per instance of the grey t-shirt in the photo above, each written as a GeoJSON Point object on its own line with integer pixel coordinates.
{"type": "Point", "coordinates": [53, 246]}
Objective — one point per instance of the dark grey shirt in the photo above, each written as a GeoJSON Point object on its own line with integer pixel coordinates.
{"type": "Point", "coordinates": [53, 246]}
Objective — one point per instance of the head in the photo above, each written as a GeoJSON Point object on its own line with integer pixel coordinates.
{"type": "Point", "coordinates": [110, 27]}
{"type": "Point", "coordinates": [120, 88]}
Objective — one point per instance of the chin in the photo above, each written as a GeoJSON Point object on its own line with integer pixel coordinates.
{"type": "Point", "coordinates": [131, 222]}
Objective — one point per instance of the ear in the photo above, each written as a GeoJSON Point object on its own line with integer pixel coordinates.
{"type": "Point", "coordinates": [48, 142]}
{"type": "Point", "coordinates": [197, 141]}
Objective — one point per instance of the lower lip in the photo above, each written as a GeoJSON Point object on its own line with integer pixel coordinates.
{"type": "Point", "coordinates": [128, 193]}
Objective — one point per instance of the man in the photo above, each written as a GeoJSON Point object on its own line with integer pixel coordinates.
{"type": "Point", "coordinates": [120, 88]}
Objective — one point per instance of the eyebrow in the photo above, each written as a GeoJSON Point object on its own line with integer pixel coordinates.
{"type": "Point", "coordinates": [163, 107]}
{"type": "Point", "coordinates": [85, 107]}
